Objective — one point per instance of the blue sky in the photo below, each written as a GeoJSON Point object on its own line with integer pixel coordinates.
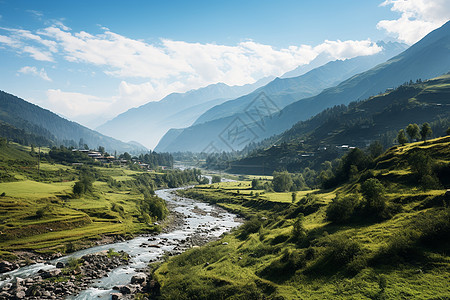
{"type": "Point", "coordinates": [90, 60]}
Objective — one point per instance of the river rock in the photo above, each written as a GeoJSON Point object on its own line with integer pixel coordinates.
{"type": "Point", "coordinates": [116, 296]}
{"type": "Point", "coordinates": [139, 278]}
{"type": "Point", "coordinates": [60, 265]}
{"type": "Point", "coordinates": [129, 289]}
{"type": "Point", "coordinates": [6, 266]}
{"type": "Point", "coordinates": [5, 295]}
{"type": "Point", "coordinates": [20, 295]}
{"type": "Point", "coordinates": [51, 273]}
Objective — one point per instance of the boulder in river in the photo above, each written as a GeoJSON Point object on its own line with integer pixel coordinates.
{"type": "Point", "coordinates": [51, 273]}
{"type": "Point", "coordinates": [116, 296]}
{"type": "Point", "coordinates": [6, 266]}
{"type": "Point", "coordinates": [139, 278]}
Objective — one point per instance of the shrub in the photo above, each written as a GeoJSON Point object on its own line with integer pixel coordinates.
{"type": "Point", "coordinates": [298, 230]}
{"type": "Point", "coordinates": [341, 253]}
{"type": "Point", "coordinates": [401, 245]}
{"type": "Point", "coordinates": [256, 185]}
{"type": "Point", "coordinates": [435, 227]}
{"type": "Point", "coordinates": [216, 179]}
{"type": "Point", "coordinates": [249, 227]}
{"type": "Point", "coordinates": [429, 182]}
{"type": "Point", "coordinates": [40, 213]}
{"type": "Point", "coordinates": [285, 266]}
{"type": "Point", "coordinates": [342, 208]}
{"type": "Point", "coordinates": [342, 250]}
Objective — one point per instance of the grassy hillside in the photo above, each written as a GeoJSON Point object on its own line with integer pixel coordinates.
{"type": "Point", "coordinates": [41, 212]}
{"type": "Point", "coordinates": [378, 118]}
{"type": "Point", "coordinates": [385, 242]}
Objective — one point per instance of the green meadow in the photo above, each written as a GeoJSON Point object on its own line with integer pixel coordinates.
{"type": "Point", "coordinates": [296, 250]}
{"type": "Point", "coordinates": [40, 213]}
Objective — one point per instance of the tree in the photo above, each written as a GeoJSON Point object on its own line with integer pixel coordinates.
{"type": "Point", "coordinates": [282, 181]}
{"type": "Point", "coordinates": [401, 137]}
{"type": "Point", "coordinates": [425, 131]}
{"type": "Point", "coordinates": [375, 149]}
{"type": "Point", "coordinates": [298, 230]}
{"type": "Point", "coordinates": [3, 142]}
{"type": "Point", "coordinates": [413, 131]}
{"type": "Point", "coordinates": [294, 197]}
{"type": "Point", "coordinates": [78, 188]}
{"type": "Point", "coordinates": [101, 149]}
{"type": "Point", "coordinates": [448, 131]}
{"type": "Point", "coordinates": [373, 191]}
{"type": "Point", "coordinates": [421, 163]}
{"type": "Point", "coordinates": [255, 184]}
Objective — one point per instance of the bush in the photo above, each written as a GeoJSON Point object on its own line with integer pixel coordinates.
{"type": "Point", "coordinates": [285, 266]}
{"type": "Point", "coordinates": [298, 230]}
{"type": "Point", "coordinates": [435, 227]}
{"type": "Point", "coordinates": [40, 213]}
{"type": "Point", "coordinates": [342, 208]}
{"type": "Point", "coordinates": [429, 182]}
{"type": "Point", "coordinates": [249, 227]}
{"type": "Point", "coordinates": [342, 250]}
{"type": "Point", "coordinates": [216, 179]}
{"type": "Point", "coordinates": [400, 246]}
{"type": "Point", "coordinates": [341, 253]}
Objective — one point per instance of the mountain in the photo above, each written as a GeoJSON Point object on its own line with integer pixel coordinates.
{"type": "Point", "coordinates": [390, 49]}
{"type": "Point", "coordinates": [284, 91]}
{"type": "Point", "coordinates": [243, 111]}
{"type": "Point", "coordinates": [149, 122]}
{"type": "Point", "coordinates": [309, 143]}
{"type": "Point", "coordinates": [43, 126]}
{"type": "Point", "coordinates": [428, 58]}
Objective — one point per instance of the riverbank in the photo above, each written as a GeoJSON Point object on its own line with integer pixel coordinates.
{"type": "Point", "coordinates": [66, 278]}
{"type": "Point", "coordinates": [21, 258]}
{"type": "Point", "coordinates": [191, 223]}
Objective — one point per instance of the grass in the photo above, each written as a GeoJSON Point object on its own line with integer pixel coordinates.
{"type": "Point", "coordinates": [34, 190]}
{"type": "Point", "coordinates": [43, 216]}
{"type": "Point", "coordinates": [367, 258]}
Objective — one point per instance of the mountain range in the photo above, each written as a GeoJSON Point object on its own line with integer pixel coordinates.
{"type": "Point", "coordinates": [44, 127]}
{"type": "Point", "coordinates": [149, 122]}
{"type": "Point", "coordinates": [428, 58]}
{"type": "Point", "coordinates": [379, 118]}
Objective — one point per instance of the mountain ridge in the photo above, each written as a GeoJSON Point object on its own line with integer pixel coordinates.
{"type": "Point", "coordinates": [427, 58]}
{"type": "Point", "coordinates": [147, 123]}
{"type": "Point", "coordinates": [18, 113]}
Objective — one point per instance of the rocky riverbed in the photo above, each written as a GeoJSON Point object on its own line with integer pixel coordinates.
{"type": "Point", "coordinates": [190, 224]}
{"type": "Point", "coordinates": [66, 278]}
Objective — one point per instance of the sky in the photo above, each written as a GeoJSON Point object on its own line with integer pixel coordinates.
{"type": "Point", "coordinates": [89, 61]}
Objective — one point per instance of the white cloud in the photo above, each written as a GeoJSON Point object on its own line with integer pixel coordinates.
{"type": "Point", "coordinates": [75, 104]}
{"type": "Point", "coordinates": [161, 68]}
{"type": "Point", "coordinates": [34, 71]}
{"type": "Point", "coordinates": [36, 13]}
{"type": "Point", "coordinates": [418, 18]}
{"type": "Point", "coordinates": [199, 64]}
{"type": "Point", "coordinates": [38, 54]}
{"type": "Point", "coordinates": [23, 41]}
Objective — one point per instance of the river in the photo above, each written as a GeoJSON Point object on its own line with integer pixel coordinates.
{"type": "Point", "coordinates": [201, 221]}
